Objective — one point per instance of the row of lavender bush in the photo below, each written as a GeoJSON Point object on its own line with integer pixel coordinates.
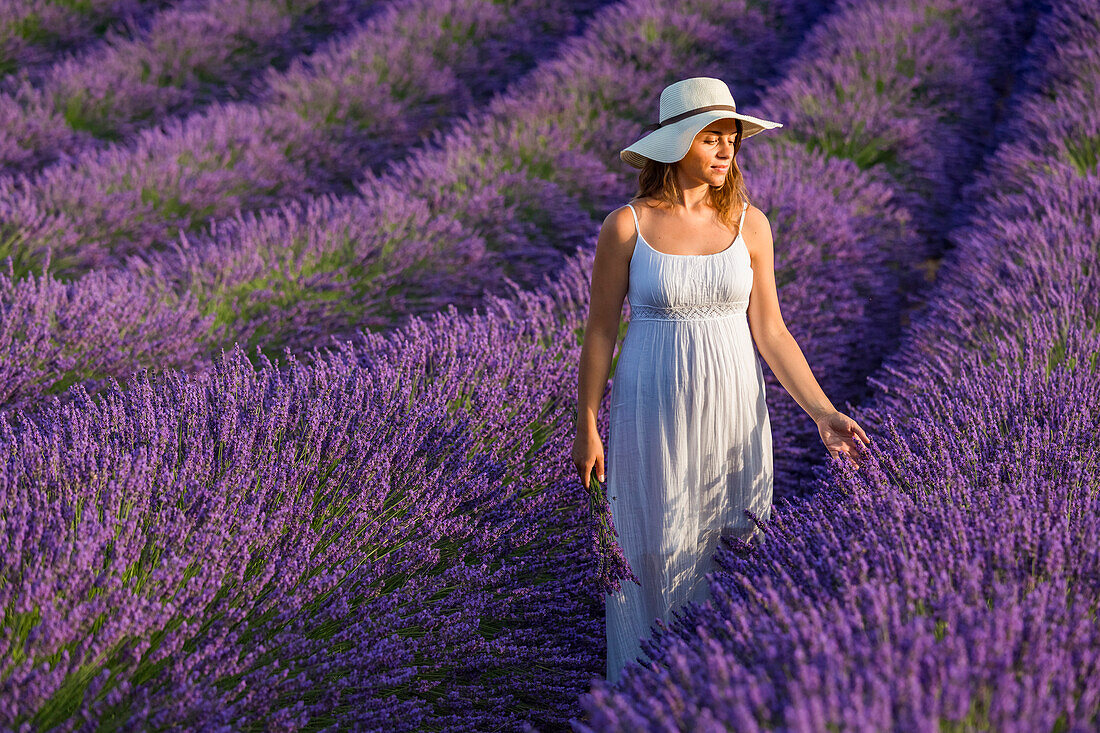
{"type": "Point", "coordinates": [188, 56]}
{"type": "Point", "coordinates": [389, 538]}
{"type": "Point", "coordinates": [363, 542]}
{"type": "Point", "coordinates": [294, 277]}
{"type": "Point", "coordinates": [406, 71]}
{"type": "Point", "coordinates": [1030, 247]}
{"type": "Point", "coordinates": [913, 108]}
{"type": "Point", "coordinates": [950, 583]}
{"type": "Point", "coordinates": [34, 32]}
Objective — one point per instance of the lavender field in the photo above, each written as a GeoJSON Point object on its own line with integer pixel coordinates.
{"type": "Point", "coordinates": [292, 301]}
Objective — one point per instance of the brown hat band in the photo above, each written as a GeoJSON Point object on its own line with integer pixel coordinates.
{"type": "Point", "coordinates": [685, 115]}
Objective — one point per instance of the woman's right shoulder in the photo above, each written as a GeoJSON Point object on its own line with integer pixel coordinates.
{"type": "Point", "coordinates": [617, 234]}
{"type": "Point", "coordinates": [621, 212]}
{"type": "Point", "coordinates": [619, 223]}
{"type": "Point", "coordinates": [623, 218]}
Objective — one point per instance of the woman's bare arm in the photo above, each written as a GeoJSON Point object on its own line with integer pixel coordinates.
{"type": "Point", "coordinates": [610, 280]}
{"type": "Point", "coordinates": [838, 431]}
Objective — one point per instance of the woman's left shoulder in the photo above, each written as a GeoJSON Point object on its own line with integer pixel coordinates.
{"type": "Point", "coordinates": [755, 215]}
{"type": "Point", "coordinates": [758, 231]}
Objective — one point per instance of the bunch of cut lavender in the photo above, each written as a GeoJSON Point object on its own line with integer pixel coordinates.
{"type": "Point", "coordinates": [612, 564]}
{"type": "Point", "coordinates": [606, 538]}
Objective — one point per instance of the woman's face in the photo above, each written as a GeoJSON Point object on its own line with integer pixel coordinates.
{"type": "Point", "coordinates": [711, 152]}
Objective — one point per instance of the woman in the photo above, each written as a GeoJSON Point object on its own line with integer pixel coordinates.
{"type": "Point", "coordinates": [689, 439]}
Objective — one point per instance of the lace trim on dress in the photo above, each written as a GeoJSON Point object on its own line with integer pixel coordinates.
{"type": "Point", "coordinates": [699, 312]}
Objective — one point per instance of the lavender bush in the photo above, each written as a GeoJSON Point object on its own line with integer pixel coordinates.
{"type": "Point", "coordinates": [54, 335]}
{"type": "Point", "coordinates": [34, 32]}
{"type": "Point", "coordinates": [187, 56]}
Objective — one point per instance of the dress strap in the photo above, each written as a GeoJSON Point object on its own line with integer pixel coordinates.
{"type": "Point", "coordinates": [637, 228]}
{"type": "Point", "coordinates": [741, 224]}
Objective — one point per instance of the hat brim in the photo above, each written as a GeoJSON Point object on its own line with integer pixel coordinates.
{"type": "Point", "coordinates": [671, 143]}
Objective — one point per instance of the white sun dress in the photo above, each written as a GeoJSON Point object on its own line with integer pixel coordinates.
{"type": "Point", "coordinates": [689, 442]}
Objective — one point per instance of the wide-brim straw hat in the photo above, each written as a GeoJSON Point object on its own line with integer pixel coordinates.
{"type": "Point", "coordinates": [687, 106]}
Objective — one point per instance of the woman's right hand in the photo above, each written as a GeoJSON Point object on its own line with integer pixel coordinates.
{"type": "Point", "coordinates": [588, 452]}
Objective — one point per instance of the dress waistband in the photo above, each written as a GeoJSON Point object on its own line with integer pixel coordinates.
{"type": "Point", "coordinates": [700, 312]}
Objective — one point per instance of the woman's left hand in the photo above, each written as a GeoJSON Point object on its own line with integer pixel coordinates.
{"type": "Point", "coordinates": [839, 433]}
